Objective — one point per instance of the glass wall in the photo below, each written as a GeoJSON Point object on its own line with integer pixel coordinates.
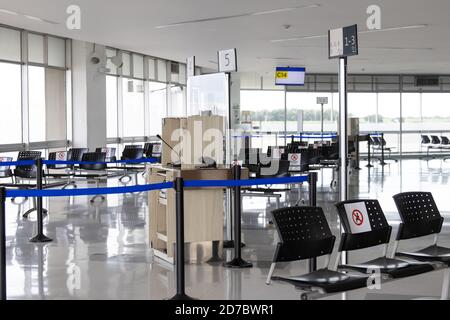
{"type": "Point", "coordinates": [133, 108]}
{"type": "Point", "coordinates": [33, 88]}
{"type": "Point", "coordinates": [158, 104]}
{"type": "Point", "coordinates": [111, 107]}
{"type": "Point", "coordinates": [10, 103]}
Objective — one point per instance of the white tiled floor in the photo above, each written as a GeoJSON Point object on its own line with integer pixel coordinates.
{"type": "Point", "coordinates": [103, 253]}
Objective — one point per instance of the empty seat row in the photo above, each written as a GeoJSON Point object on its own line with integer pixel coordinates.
{"type": "Point", "coordinates": [305, 234]}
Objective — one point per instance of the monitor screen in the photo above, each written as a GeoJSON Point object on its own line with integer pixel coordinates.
{"type": "Point", "coordinates": [290, 76]}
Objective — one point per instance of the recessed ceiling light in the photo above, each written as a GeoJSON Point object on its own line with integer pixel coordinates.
{"type": "Point", "coordinates": [9, 12]}
{"type": "Point", "coordinates": [249, 14]}
{"type": "Point", "coordinates": [415, 26]}
{"type": "Point", "coordinates": [34, 18]}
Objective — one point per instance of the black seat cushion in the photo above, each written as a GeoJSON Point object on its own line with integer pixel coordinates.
{"type": "Point", "coordinates": [327, 280]}
{"type": "Point", "coordinates": [429, 254]}
{"type": "Point", "coordinates": [395, 268]}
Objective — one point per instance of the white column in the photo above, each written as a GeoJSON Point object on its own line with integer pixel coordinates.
{"type": "Point", "coordinates": [89, 97]}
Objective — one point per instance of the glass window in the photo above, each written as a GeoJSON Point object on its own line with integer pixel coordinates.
{"type": "Point", "coordinates": [9, 44]}
{"type": "Point", "coordinates": [151, 69]}
{"type": "Point", "coordinates": [126, 67]}
{"type": "Point", "coordinates": [312, 112]}
{"type": "Point", "coordinates": [111, 107]}
{"type": "Point", "coordinates": [36, 102]}
{"type": "Point", "coordinates": [56, 52]}
{"type": "Point", "coordinates": [10, 103]}
{"type": "Point", "coordinates": [133, 108]}
{"type": "Point", "coordinates": [182, 77]}
{"type": "Point", "coordinates": [162, 71]}
{"type": "Point", "coordinates": [364, 107]}
{"type": "Point", "coordinates": [389, 118]}
{"type": "Point", "coordinates": [412, 121]}
{"type": "Point", "coordinates": [35, 48]}
{"type": "Point", "coordinates": [177, 99]}
{"type": "Point", "coordinates": [55, 104]}
{"type": "Point", "coordinates": [158, 103]}
{"type": "Point", "coordinates": [138, 66]}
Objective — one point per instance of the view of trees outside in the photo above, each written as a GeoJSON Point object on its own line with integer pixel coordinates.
{"type": "Point", "coordinates": [421, 113]}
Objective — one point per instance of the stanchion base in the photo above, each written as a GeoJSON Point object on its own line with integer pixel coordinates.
{"type": "Point", "coordinates": [357, 168]}
{"type": "Point", "coordinates": [383, 163]}
{"type": "Point", "coordinates": [230, 244]}
{"type": "Point", "coordinates": [369, 166]}
{"type": "Point", "coordinates": [182, 297]}
{"type": "Point", "coordinates": [238, 263]}
{"type": "Point", "coordinates": [41, 238]}
{"type": "Point", "coordinates": [214, 259]}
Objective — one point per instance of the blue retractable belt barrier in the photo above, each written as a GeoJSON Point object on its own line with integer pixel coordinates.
{"type": "Point", "coordinates": [150, 187]}
{"type": "Point", "coordinates": [375, 134]}
{"type": "Point", "coordinates": [242, 183]}
{"type": "Point", "coordinates": [18, 163]}
{"type": "Point", "coordinates": [55, 162]}
{"type": "Point", "coordinates": [135, 161]}
{"type": "Point", "coordinates": [86, 191]}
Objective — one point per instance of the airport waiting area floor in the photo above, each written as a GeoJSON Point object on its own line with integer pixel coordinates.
{"type": "Point", "coordinates": [102, 252]}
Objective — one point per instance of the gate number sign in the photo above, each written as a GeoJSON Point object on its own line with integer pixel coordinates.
{"type": "Point", "coordinates": [343, 42]}
{"type": "Point", "coordinates": [227, 60]}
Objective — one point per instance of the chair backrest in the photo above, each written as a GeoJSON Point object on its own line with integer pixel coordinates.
{"type": "Point", "coordinates": [94, 157]}
{"type": "Point", "coordinates": [27, 171]}
{"type": "Point", "coordinates": [435, 140]}
{"type": "Point", "coordinates": [5, 171]}
{"type": "Point", "coordinates": [304, 233]}
{"type": "Point", "coordinates": [76, 154]}
{"type": "Point", "coordinates": [364, 223]}
{"type": "Point", "coordinates": [152, 149]}
{"type": "Point", "coordinates": [58, 155]}
{"type": "Point", "coordinates": [132, 153]}
{"type": "Point", "coordinates": [419, 213]}
{"type": "Point", "coordinates": [110, 153]}
{"type": "Point", "coordinates": [445, 140]}
{"type": "Point", "coordinates": [425, 139]}
{"type": "Point", "coordinates": [376, 141]}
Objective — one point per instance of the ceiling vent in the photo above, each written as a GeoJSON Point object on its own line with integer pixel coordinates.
{"type": "Point", "coordinates": [426, 81]}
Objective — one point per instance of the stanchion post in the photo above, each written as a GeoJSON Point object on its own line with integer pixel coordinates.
{"type": "Point", "coordinates": [2, 244]}
{"type": "Point", "coordinates": [40, 237]}
{"type": "Point", "coordinates": [237, 262]}
{"type": "Point", "coordinates": [312, 184]}
{"type": "Point", "coordinates": [382, 150]}
{"type": "Point", "coordinates": [369, 160]}
{"type": "Point", "coordinates": [180, 272]}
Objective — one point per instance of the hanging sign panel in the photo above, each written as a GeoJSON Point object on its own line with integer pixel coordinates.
{"type": "Point", "coordinates": [290, 76]}
{"type": "Point", "coordinates": [227, 60]}
{"type": "Point", "coordinates": [343, 42]}
{"type": "Point", "coordinates": [322, 100]}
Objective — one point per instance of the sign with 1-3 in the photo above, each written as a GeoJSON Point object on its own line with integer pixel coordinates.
{"type": "Point", "coordinates": [227, 60]}
{"type": "Point", "coordinates": [343, 42]}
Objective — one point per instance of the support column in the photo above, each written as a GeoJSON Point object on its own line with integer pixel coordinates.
{"type": "Point", "coordinates": [89, 96]}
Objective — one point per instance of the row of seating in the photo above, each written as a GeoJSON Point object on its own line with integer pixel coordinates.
{"type": "Point", "coordinates": [305, 234]}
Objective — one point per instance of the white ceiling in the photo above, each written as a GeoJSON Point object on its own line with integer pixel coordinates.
{"type": "Point", "coordinates": [133, 25]}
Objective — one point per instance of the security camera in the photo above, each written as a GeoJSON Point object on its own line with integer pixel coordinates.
{"type": "Point", "coordinates": [95, 59]}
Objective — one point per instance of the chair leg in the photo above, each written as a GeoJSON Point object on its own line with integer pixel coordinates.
{"type": "Point", "coordinates": [271, 270]}
{"type": "Point", "coordinates": [445, 284]}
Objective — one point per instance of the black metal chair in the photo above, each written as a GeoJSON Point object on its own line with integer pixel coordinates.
{"type": "Point", "coordinates": [304, 234]}
{"type": "Point", "coordinates": [435, 140]}
{"type": "Point", "coordinates": [96, 177]}
{"type": "Point", "coordinates": [132, 152]}
{"type": "Point", "coordinates": [110, 153]}
{"type": "Point", "coordinates": [365, 226]}
{"type": "Point", "coordinates": [420, 217]}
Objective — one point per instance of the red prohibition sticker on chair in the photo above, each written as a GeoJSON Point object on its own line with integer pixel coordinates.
{"type": "Point", "coordinates": [358, 217]}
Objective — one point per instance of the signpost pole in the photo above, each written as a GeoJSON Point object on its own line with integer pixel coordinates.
{"type": "Point", "coordinates": [343, 137]}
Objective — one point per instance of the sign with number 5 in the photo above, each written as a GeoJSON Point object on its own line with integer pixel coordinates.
{"type": "Point", "coordinates": [227, 60]}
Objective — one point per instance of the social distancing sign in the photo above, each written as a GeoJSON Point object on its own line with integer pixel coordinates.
{"type": "Point", "coordinates": [294, 161]}
{"type": "Point", "coordinates": [358, 218]}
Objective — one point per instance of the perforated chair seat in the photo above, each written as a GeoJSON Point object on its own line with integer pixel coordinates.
{"type": "Point", "coordinates": [327, 280]}
{"type": "Point", "coordinates": [429, 254]}
{"type": "Point", "coordinates": [395, 268]}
